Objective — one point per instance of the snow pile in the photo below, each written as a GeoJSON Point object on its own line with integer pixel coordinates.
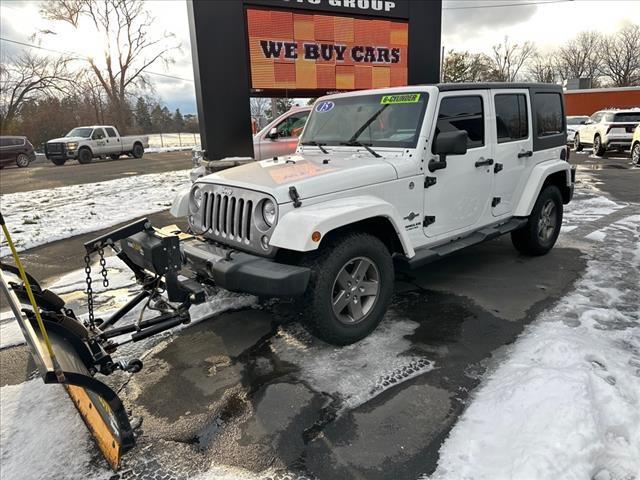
{"type": "Point", "coordinates": [43, 436]}
{"type": "Point", "coordinates": [588, 210]}
{"type": "Point", "coordinates": [43, 216]}
{"type": "Point", "coordinates": [355, 373]}
{"type": "Point", "coordinates": [566, 403]}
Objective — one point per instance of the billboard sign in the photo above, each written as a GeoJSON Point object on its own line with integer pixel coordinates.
{"type": "Point", "coordinates": [305, 51]}
{"type": "Point", "coordinates": [369, 8]}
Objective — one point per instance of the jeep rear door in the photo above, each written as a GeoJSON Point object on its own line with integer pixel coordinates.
{"type": "Point", "coordinates": [513, 147]}
{"type": "Point", "coordinates": [462, 191]}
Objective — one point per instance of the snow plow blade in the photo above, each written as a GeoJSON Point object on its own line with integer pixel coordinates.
{"type": "Point", "coordinates": [99, 406]}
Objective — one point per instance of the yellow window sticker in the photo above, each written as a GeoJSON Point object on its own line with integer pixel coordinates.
{"type": "Point", "coordinates": [401, 98]}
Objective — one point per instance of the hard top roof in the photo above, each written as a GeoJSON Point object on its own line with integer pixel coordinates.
{"type": "Point", "coordinates": [444, 87]}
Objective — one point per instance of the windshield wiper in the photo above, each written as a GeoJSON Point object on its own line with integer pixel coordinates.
{"type": "Point", "coordinates": [316, 144]}
{"type": "Point", "coordinates": [364, 126]}
{"type": "Point", "coordinates": [356, 143]}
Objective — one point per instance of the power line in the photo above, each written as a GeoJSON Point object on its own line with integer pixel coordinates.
{"type": "Point", "coordinates": [83, 57]}
{"type": "Point", "coordinates": [501, 5]}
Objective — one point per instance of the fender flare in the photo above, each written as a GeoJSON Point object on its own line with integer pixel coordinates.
{"type": "Point", "coordinates": [539, 175]}
{"type": "Point", "coordinates": [180, 205]}
{"type": "Point", "coordinates": [294, 228]}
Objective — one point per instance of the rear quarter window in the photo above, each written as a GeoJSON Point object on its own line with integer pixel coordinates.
{"type": "Point", "coordinates": [548, 111]}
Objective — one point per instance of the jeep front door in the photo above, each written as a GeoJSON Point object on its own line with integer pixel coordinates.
{"type": "Point", "coordinates": [513, 147]}
{"type": "Point", "coordinates": [461, 194]}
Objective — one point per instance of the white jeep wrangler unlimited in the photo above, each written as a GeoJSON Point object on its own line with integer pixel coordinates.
{"type": "Point", "coordinates": [383, 179]}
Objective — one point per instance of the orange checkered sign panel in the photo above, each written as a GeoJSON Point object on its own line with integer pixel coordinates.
{"type": "Point", "coordinates": [300, 51]}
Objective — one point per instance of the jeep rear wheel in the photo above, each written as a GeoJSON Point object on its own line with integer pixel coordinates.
{"type": "Point", "coordinates": [540, 233]}
{"type": "Point", "coordinates": [576, 143]}
{"type": "Point", "coordinates": [598, 149]}
{"type": "Point", "coordinates": [85, 156]}
{"type": "Point", "coordinates": [350, 288]}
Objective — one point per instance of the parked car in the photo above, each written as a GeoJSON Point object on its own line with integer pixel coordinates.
{"type": "Point", "coordinates": [382, 179]}
{"type": "Point", "coordinates": [635, 146]}
{"type": "Point", "coordinates": [16, 150]}
{"type": "Point", "coordinates": [278, 138]}
{"type": "Point", "coordinates": [86, 143]}
{"type": "Point", "coordinates": [573, 125]}
{"type": "Point", "coordinates": [608, 130]}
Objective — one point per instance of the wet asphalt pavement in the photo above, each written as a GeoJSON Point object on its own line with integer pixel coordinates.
{"type": "Point", "coordinates": [252, 389]}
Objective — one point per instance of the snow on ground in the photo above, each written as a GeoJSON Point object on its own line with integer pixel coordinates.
{"type": "Point", "coordinates": [43, 216]}
{"type": "Point", "coordinates": [566, 402]}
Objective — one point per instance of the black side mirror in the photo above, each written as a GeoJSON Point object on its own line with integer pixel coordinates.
{"type": "Point", "coordinates": [448, 143]}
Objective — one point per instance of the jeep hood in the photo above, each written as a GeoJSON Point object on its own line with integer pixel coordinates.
{"type": "Point", "coordinates": [66, 139]}
{"type": "Point", "coordinates": [309, 174]}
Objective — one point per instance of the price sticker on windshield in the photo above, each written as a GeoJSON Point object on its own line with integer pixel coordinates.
{"type": "Point", "coordinates": [325, 107]}
{"type": "Point", "coordinates": [402, 98]}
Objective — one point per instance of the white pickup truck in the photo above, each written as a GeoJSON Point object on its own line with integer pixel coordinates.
{"type": "Point", "coordinates": [86, 143]}
{"type": "Point", "coordinates": [383, 180]}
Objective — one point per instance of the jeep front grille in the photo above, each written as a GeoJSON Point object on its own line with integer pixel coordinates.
{"type": "Point", "coordinates": [227, 216]}
{"type": "Point", "coordinates": [232, 216]}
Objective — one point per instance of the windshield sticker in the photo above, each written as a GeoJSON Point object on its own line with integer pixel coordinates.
{"type": "Point", "coordinates": [325, 107]}
{"type": "Point", "coordinates": [404, 98]}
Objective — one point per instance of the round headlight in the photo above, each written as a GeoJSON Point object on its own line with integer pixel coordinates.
{"type": "Point", "coordinates": [196, 195]}
{"type": "Point", "coordinates": [269, 212]}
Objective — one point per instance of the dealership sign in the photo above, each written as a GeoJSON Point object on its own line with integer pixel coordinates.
{"type": "Point", "coordinates": [381, 8]}
{"type": "Point", "coordinates": [290, 50]}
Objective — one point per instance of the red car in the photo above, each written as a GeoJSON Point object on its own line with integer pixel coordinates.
{"type": "Point", "coordinates": [16, 150]}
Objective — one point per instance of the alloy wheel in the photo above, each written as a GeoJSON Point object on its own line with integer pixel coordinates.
{"type": "Point", "coordinates": [548, 221]}
{"type": "Point", "coordinates": [355, 290]}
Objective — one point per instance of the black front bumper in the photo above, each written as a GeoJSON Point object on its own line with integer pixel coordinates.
{"type": "Point", "coordinates": [167, 253]}
{"type": "Point", "coordinates": [243, 272]}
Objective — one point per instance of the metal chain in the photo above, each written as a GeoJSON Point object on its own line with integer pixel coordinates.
{"type": "Point", "coordinates": [87, 269]}
{"type": "Point", "coordinates": [103, 272]}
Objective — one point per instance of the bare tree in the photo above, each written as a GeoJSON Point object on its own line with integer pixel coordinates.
{"type": "Point", "coordinates": [507, 60]}
{"type": "Point", "coordinates": [543, 68]}
{"type": "Point", "coordinates": [581, 57]}
{"type": "Point", "coordinates": [259, 106]}
{"type": "Point", "coordinates": [465, 67]}
{"type": "Point", "coordinates": [129, 48]}
{"type": "Point", "coordinates": [27, 77]}
{"type": "Point", "coordinates": [622, 56]}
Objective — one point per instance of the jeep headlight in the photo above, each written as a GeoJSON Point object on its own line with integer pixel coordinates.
{"type": "Point", "coordinates": [196, 198]}
{"type": "Point", "coordinates": [72, 145]}
{"type": "Point", "coordinates": [269, 212]}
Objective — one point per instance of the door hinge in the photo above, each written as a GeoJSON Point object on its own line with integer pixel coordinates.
{"type": "Point", "coordinates": [428, 221]}
{"type": "Point", "coordinates": [497, 167]}
{"type": "Point", "coordinates": [430, 181]}
{"type": "Point", "coordinates": [495, 201]}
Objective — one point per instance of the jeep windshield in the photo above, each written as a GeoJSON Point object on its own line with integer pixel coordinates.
{"type": "Point", "coordinates": [80, 132]}
{"type": "Point", "coordinates": [380, 120]}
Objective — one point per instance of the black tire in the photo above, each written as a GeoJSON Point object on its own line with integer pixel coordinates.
{"type": "Point", "coordinates": [85, 156]}
{"type": "Point", "coordinates": [530, 239]}
{"type": "Point", "coordinates": [576, 143]}
{"type": "Point", "coordinates": [22, 160]}
{"type": "Point", "coordinates": [114, 157]}
{"type": "Point", "coordinates": [598, 149]}
{"type": "Point", "coordinates": [58, 161]}
{"type": "Point", "coordinates": [326, 264]}
{"type": "Point", "coordinates": [138, 151]}
{"type": "Point", "coordinates": [635, 153]}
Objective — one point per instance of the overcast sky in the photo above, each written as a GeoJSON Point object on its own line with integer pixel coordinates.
{"type": "Point", "coordinates": [548, 23]}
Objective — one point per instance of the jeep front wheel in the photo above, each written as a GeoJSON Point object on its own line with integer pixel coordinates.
{"type": "Point", "coordinates": [350, 288]}
{"type": "Point", "coordinates": [540, 233]}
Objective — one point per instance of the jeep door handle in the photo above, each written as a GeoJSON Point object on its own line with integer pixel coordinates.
{"type": "Point", "coordinates": [484, 163]}
{"type": "Point", "coordinates": [528, 153]}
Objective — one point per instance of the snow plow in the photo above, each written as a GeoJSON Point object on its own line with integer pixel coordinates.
{"type": "Point", "coordinates": [75, 352]}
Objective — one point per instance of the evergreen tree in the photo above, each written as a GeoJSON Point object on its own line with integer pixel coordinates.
{"type": "Point", "coordinates": [178, 121]}
{"type": "Point", "coordinates": [157, 119]}
{"type": "Point", "coordinates": [143, 117]}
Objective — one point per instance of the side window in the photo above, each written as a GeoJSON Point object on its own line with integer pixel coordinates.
{"type": "Point", "coordinates": [462, 113]}
{"type": "Point", "coordinates": [595, 118]}
{"type": "Point", "coordinates": [18, 141]}
{"type": "Point", "coordinates": [549, 118]}
{"type": "Point", "coordinates": [111, 132]}
{"type": "Point", "coordinates": [5, 142]}
{"type": "Point", "coordinates": [292, 126]}
{"type": "Point", "coordinates": [512, 121]}
{"type": "Point", "coordinates": [98, 134]}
